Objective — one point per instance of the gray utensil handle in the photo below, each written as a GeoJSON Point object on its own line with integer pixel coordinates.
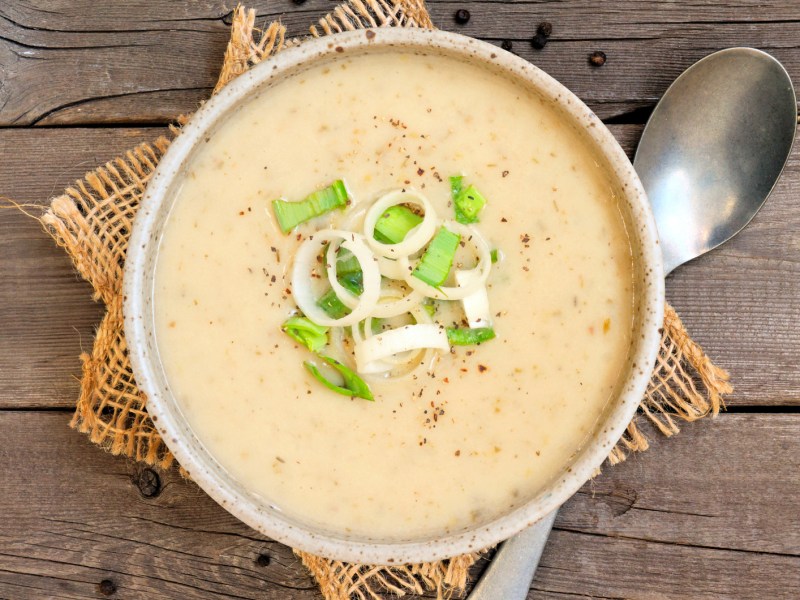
{"type": "Point", "coordinates": [509, 575]}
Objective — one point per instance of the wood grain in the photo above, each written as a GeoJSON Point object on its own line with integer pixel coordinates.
{"type": "Point", "coordinates": [71, 63]}
{"type": "Point", "coordinates": [742, 302]}
{"type": "Point", "coordinates": [698, 515]}
{"type": "Point", "coordinates": [46, 311]}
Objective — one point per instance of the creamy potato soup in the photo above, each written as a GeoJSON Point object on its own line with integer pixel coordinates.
{"type": "Point", "coordinates": [461, 433]}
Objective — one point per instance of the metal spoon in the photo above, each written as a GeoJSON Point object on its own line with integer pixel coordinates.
{"type": "Point", "coordinates": [709, 157]}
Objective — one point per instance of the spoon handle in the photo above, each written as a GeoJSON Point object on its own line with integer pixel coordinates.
{"type": "Point", "coordinates": [509, 575]}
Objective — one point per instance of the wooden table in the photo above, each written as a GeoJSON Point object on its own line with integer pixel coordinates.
{"type": "Point", "coordinates": [711, 513]}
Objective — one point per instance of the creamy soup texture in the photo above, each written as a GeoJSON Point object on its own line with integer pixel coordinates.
{"type": "Point", "coordinates": [496, 422]}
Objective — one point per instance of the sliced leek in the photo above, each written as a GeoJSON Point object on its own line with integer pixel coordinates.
{"type": "Point", "coordinates": [291, 214]}
{"type": "Point", "coordinates": [468, 203]}
{"type": "Point", "coordinates": [468, 337]}
{"type": "Point", "coordinates": [473, 240]}
{"type": "Point", "coordinates": [305, 265]}
{"type": "Point", "coordinates": [303, 330]}
{"type": "Point", "coordinates": [400, 262]}
{"type": "Point", "coordinates": [476, 305]}
{"type": "Point", "coordinates": [354, 386]}
{"type": "Point", "coordinates": [393, 225]}
{"type": "Point", "coordinates": [332, 306]}
{"type": "Point", "coordinates": [409, 337]}
{"type": "Point", "coordinates": [434, 267]}
{"type": "Point", "coordinates": [415, 239]}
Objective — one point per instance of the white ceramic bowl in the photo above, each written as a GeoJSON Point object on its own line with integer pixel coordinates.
{"type": "Point", "coordinates": [140, 330]}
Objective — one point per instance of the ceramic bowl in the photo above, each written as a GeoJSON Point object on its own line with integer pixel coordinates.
{"type": "Point", "coordinates": [140, 329]}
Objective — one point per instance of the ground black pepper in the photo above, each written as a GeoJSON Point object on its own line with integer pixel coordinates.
{"type": "Point", "coordinates": [597, 58]}
{"type": "Point", "coordinates": [462, 16]}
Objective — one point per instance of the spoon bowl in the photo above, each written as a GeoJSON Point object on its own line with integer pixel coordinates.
{"type": "Point", "coordinates": [714, 148]}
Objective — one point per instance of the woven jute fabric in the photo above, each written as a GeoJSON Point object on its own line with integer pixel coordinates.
{"type": "Point", "coordinates": [92, 221]}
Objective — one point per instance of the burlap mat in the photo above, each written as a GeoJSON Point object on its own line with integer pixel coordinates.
{"type": "Point", "coordinates": [92, 221]}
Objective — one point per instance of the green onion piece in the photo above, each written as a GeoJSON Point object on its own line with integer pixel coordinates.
{"type": "Point", "coordinates": [347, 264]}
{"type": "Point", "coordinates": [467, 337]}
{"type": "Point", "coordinates": [429, 304]}
{"type": "Point", "coordinates": [354, 386]}
{"type": "Point", "coordinates": [348, 272]}
{"type": "Point", "coordinates": [456, 183]}
{"type": "Point", "coordinates": [468, 203]}
{"type": "Point", "coordinates": [395, 223]}
{"type": "Point", "coordinates": [381, 238]}
{"type": "Point", "coordinates": [353, 282]}
{"type": "Point", "coordinates": [495, 256]}
{"type": "Point", "coordinates": [291, 214]}
{"type": "Point", "coordinates": [304, 330]}
{"type": "Point", "coordinates": [332, 306]}
{"type": "Point", "coordinates": [435, 265]}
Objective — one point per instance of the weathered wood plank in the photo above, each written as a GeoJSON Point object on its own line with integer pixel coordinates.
{"type": "Point", "coordinates": [74, 516]}
{"type": "Point", "coordinates": [675, 499]}
{"type": "Point", "coordinates": [741, 302]}
{"type": "Point", "coordinates": [708, 514]}
{"type": "Point", "coordinates": [80, 62]}
{"type": "Point", "coordinates": [46, 311]}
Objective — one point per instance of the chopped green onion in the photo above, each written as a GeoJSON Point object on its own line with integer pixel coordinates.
{"type": "Point", "coordinates": [291, 214]}
{"type": "Point", "coordinates": [347, 263]}
{"type": "Point", "coordinates": [348, 272]}
{"type": "Point", "coordinates": [434, 267]}
{"type": "Point", "coordinates": [456, 183]}
{"type": "Point", "coordinates": [353, 282]}
{"type": "Point", "coordinates": [467, 337]}
{"type": "Point", "coordinates": [429, 304]}
{"type": "Point", "coordinates": [495, 256]}
{"type": "Point", "coordinates": [395, 223]}
{"type": "Point", "coordinates": [304, 330]}
{"type": "Point", "coordinates": [332, 306]}
{"type": "Point", "coordinates": [350, 276]}
{"type": "Point", "coordinates": [354, 386]}
{"type": "Point", "coordinates": [468, 203]}
{"type": "Point", "coordinates": [377, 325]}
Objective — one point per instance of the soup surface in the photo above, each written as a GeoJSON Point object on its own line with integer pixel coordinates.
{"type": "Point", "coordinates": [495, 422]}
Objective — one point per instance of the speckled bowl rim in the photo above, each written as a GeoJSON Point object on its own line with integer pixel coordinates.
{"type": "Point", "coordinates": [161, 405]}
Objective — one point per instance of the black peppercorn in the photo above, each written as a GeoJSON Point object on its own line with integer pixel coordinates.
{"type": "Point", "coordinates": [597, 59]}
{"type": "Point", "coordinates": [545, 28]}
{"type": "Point", "coordinates": [539, 41]}
{"type": "Point", "coordinates": [507, 45]}
{"type": "Point", "coordinates": [107, 587]}
{"type": "Point", "coordinates": [462, 16]}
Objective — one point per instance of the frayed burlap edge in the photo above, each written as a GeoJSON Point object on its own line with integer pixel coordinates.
{"type": "Point", "coordinates": [685, 385]}
{"type": "Point", "coordinates": [92, 222]}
